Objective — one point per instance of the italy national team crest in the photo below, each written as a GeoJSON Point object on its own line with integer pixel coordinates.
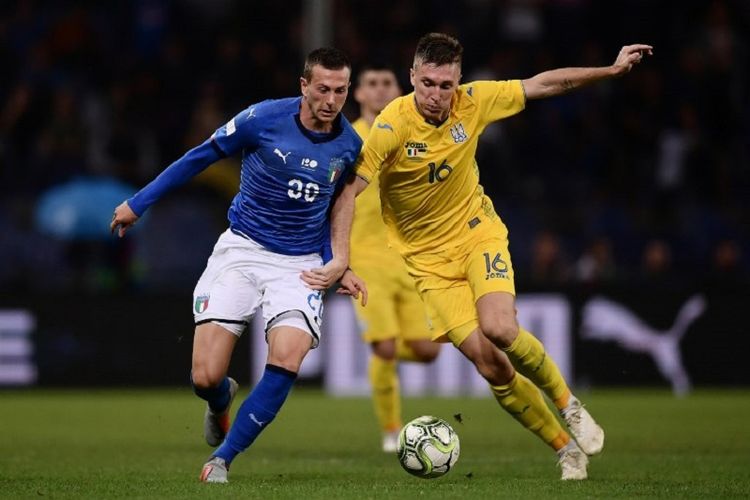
{"type": "Point", "coordinates": [334, 169]}
{"type": "Point", "coordinates": [201, 303]}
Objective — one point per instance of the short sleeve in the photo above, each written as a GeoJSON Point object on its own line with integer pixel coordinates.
{"type": "Point", "coordinates": [381, 143]}
{"type": "Point", "coordinates": [498, 99]}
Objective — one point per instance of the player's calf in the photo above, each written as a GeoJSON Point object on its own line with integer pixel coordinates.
{"type": "Point", "coordinates": [216, 423]}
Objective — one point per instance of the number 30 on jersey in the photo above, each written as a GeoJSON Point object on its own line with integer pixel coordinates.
{"type": "Point", "coordinates": [297, 190]}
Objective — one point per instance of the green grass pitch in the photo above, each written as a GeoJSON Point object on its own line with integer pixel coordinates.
{"type": "Point", "coordinates": [105, 444]}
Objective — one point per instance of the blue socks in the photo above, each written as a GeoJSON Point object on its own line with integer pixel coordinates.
{"type": "Point", "coordinates": [217, 397]}
{"type": "Point", "coordinates": [257, 411]}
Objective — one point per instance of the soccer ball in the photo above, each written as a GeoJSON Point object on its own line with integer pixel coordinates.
{"type": "Point", "coordinates": [428, 447]}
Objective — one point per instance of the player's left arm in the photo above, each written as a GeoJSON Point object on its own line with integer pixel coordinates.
{"type": "Point", "coordinates": [381, 142]}
{"type": "Point", "coordinates": [353, 285]}
{"type": "Point", "coordinates": [563, 80]}
{"type": "Point", "coordinates": [342, 215]}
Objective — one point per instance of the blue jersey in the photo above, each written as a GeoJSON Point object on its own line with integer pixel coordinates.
{"type": "Point", "coordinates": [288, 180]}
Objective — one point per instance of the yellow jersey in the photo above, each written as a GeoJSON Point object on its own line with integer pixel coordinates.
{"type": "Point", "coordinates": [369, 240]}
{"type": "Point", "coordinates": [429, 178]}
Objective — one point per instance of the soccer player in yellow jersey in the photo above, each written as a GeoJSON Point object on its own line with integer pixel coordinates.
{"type": "Point", "coordinates": [454, 244]}
{"type": "Point", "coordinates": [394, 321]}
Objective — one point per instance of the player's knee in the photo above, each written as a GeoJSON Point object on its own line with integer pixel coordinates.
{"type": "Point", "coordinates": [384, 349]}
{"type": "Point", "coordinates": [425, 351]}
{"type": "Point", "coordinates": [288, 360]}
{"type": "Point", "coordinates": [204, 378]}
{"type": "Point", "coordinates": [291, 365]}
{"type": "Point", "coordinates": [501, 333]}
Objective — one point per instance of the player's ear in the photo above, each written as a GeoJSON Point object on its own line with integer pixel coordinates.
{"type": "Point", "coordinates": [303, 85]}
{"type": "Point", "coordinates": [411, 76]}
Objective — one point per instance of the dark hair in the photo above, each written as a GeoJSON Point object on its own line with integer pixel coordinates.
{"type": "Point", "coordinates": [438, 49]}
{"type": "Point", "coordinates": [375, 66]}
{"type": "Point", "coordinates": [328, 57]}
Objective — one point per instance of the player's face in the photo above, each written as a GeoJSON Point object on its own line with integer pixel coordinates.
{"type": "Point", "coordinates": [376, 89]}
{"type": "Point", "coordinates": [434, 87]}
{"type": "Point", "coordinates": [325, 93]}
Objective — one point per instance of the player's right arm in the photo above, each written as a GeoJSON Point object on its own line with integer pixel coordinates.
{"type": "Point", "coordinates": [238, 133]}
{"type": "Point", "coordinates": [193, 162]}
{"type": "Point", "coordinates": [381, 143]}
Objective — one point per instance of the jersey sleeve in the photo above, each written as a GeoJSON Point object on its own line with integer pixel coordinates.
{"type": "Point", "coordinates": [242, 131]}
{"type": "Point", "coordinates": [382, 141]}
{"type": "Point", "coordinates": [498, 100]}
{"type": "Point", "coordinates": [189, 165]}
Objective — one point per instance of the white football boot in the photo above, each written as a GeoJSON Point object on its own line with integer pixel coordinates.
{"type": "Point", "coordinates": [214, 471]}
{"type": "Point", "coordinates": [587, 433]}
{"type": "Point", "coordinates": [572, 461]}
{"type": "Point", "coordinates": [390, 442]}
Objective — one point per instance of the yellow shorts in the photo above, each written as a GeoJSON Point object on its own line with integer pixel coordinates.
{"type": "Point", "coordinates": [394, 309]}
{"type": "Point", "coordinates": [450, 282]}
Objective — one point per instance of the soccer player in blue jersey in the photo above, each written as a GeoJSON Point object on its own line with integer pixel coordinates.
{"type": "Point", "coordinates": [283, 222]}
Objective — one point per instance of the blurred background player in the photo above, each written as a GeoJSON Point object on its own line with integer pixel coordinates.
{"type": "Point", "coordinates": [295, 152]}
{"type": "Point", "coordinates": [454, 244]}
{"type": "Point", "coordinates": [394, 322]}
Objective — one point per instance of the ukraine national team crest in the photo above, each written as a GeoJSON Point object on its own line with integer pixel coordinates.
{"type": "Point", "coordinates": [458, 133]}
{"type": "Point", "coordinates": [334, 169]}
{"type": "Point", "coordinates": [201, 303]}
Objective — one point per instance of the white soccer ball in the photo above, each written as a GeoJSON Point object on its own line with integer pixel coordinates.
{"type": "Point", "coordinates": [428, 447]}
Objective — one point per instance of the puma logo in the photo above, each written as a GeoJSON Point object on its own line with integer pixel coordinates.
{"type": "Point", "coordinates": [252, 417]}
{"type": "Point", "coordinates": [282, 156]}
{"type": "Point", "coordinates": [605, 320]}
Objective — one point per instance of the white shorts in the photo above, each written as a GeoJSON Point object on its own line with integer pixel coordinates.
{"type": "Point", "coordinates": [241, 276]}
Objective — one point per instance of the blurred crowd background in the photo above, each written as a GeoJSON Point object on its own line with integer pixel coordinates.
{"type": "Point", "coordinates": [638, 181]}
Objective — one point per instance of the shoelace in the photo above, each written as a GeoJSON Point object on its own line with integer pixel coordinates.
{"type": "Point", "coordinates": [567, 459]}
{"type": "Point", "coordinates": [574, 416]}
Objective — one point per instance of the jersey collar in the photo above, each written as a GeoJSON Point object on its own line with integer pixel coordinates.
{"type": "Point", "coordinates": [415, 111]}
{"type": "Point", "coordinates": [319, 137]}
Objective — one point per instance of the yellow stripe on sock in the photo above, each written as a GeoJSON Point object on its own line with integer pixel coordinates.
{"type": "Point", "coordinates": [386, 394]}
{"type": "Point", "coordinates": [529, 357]}
{"type": "Point", "coordinates": [525, 403]}
{"type": "Point", "coordinates": [404, 351]}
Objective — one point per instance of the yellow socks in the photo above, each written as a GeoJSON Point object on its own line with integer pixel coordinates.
{"type": "Point", "coordinates": [528, 357]}
{"type": "Point", "coordinates": [404, 352]}
{"type": "Point", "coordinates": [386, 395]}
{"type": "Point", "coordinates": [525, 403]}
